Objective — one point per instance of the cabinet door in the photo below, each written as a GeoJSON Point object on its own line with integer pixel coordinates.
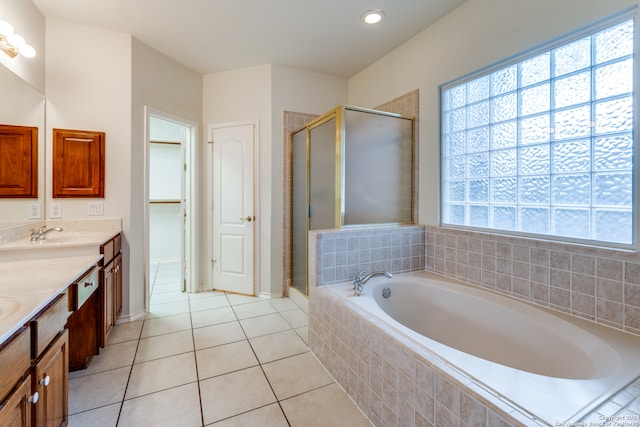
{"type": "Point", "coordinates": [18, 161]}
{"type": "Point", "coordinates": [50, 378]}
{"type": "Point", "coordinates": [16, 410]}
{"type": "Point", "coordinates": [117, 288]}
{"type": "Point", "coordinates": [107, 283]}
{"type": "Point", "coordinates": [78, 163]}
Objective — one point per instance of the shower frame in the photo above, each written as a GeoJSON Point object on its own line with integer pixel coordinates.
{"type": "Point", "coordinates": [338, 114]}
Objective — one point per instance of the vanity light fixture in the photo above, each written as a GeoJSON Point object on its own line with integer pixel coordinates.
{"type": "Point", "coordinates": [12, 44]}
{"type": "Point", "coordinates": [372, 16]}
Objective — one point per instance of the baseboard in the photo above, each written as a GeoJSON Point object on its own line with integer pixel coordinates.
{"type": "Point", "coordinates": [132, 317]}
{"type": "Point", "coordinates": [270, 294]}
{"type": "Point", "coordinates": [299, 299]}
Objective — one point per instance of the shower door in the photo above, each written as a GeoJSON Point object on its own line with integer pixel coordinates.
{"type": "Point", "coordinates": [299, 211]}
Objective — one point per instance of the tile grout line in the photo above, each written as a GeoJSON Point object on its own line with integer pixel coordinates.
{"type": "Point", "coordinates": [124, 395]}
{"type": "Point", "coordinates": [193, 342]}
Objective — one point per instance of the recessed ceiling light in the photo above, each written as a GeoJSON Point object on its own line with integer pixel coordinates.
{"type": "Point", "coordinates": [372, 16]}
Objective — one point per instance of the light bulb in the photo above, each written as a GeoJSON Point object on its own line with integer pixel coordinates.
{"type": "Point", "coordinates": [373, 16]}
{"type": "Point", "coordinates": [28, 51]}
{"type": "Point", "coordinates": [16, 40]}
{"type": "Point", "coordinates": [5, 28]}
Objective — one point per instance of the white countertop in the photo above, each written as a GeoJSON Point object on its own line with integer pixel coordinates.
{"type": "Point", "coordinates": [32, 274]}
{"type": "Point", "coordinates": [26, 286]}
{"type": "Point", "coordinates": [57, 244]}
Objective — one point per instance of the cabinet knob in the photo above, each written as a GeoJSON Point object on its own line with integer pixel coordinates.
{"type": "Point", "coordinates": [45, 381]}
{"type": "Point", "coordinates": [88, 284]}
{"type": "Point", "coordinates": [248, 218]}
{"type": "Point", "coordinates": [33, 398]}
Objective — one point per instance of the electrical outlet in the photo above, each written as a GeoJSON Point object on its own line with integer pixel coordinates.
{"type": "Point", "coordinates": [55, 211]}
{"type": "Point", "coordinates": [95, 208]}
{"type": "Point", "coordinates": [34, 211]}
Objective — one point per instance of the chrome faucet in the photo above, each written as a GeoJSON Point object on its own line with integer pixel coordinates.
{"type": "Point", "coordinates": [361, 279]}
{"type": "Point", "coordinates": [41, 233]}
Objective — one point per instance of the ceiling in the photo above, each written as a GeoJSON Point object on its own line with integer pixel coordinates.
{"type": "Point", "coordinates": [209, 36]}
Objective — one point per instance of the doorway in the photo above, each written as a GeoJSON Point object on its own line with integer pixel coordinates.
{"type": "Point", "coordinates": [234, 207]}
{"type": "Point", "coordinates": [170, 204]}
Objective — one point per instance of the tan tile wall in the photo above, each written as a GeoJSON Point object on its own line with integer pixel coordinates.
{"type": "Point", "coordinates": [598, 284]}
{"type": "Point", "coordinates": [341, 254]}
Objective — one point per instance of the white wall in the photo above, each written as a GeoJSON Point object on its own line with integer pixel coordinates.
{"type": "Point", "coordinates": [102, 80]}
{"type": "Point", "coordinates": [243, 96]}
{"type": "Point", "coordinates": [478, 34]}
{"type": "Point", "coordinates": [161, 84]}
{"type": "Point", "coordinates": [302, 92]}
{"type": "Point", "coordinates": [263, 94]}
{"type": "Point", "coordinates": [88, 87]}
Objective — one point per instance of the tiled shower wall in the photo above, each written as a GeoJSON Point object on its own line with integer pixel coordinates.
{"type": "Point", "coordinates": [597, 284]}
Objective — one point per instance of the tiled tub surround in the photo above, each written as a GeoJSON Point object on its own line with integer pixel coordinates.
{"type": "Point", "coordinates": [597, 284]}
{"type": "Point", "coordinates": [336, 256]}
{"type": "Point", "coordinates": [396, 385]}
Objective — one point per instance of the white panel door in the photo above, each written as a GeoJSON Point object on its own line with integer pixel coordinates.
{"type": "Point", "coordinates": [233, 208]}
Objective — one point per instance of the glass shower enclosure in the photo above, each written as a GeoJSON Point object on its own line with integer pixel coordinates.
{"type": "Point", "coordinates": [351, 167]}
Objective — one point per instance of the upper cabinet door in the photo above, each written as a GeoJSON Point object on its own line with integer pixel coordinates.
{"type": "Point", "coordinates": [18, 161]}
{"type": "Point", "coordinates": [78, 163]}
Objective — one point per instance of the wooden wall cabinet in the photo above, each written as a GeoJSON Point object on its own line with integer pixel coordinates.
{"type": "Point", "coordinates": [78, 163]}
{"type": "Point", "coordinates": [18, 161]}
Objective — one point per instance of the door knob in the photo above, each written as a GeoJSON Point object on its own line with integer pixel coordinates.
{"type": "Point", "coordinates": [247, 218]}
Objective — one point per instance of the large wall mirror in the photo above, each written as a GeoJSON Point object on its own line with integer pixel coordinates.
{"type": "Point", "coordinates": [22, 105]}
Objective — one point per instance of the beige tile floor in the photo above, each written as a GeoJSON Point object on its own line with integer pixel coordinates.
{"type": "Point", "coordinates": [209, 359]}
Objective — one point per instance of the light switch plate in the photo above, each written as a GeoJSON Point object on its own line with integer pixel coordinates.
{"type": "Point", "coordinates": [95, 208]}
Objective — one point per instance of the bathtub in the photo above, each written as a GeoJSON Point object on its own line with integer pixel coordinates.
{"type": "Point", "coordinates": [547, 365]}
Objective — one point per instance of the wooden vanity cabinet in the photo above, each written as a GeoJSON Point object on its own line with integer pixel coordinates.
{"type": "Point", "coordinates": [50, 378]}
{"type": "Point", "coordinates": [35, 371]}
{"type": "Point", "coordinates": [110, 285]}
{"type": "Point", "coordinates": [16, 409]}
{"type": "Point", "coordinates": [15, 381]}
{"type": "Point", "coordinates": [50, 364]}
{"type": "Point", "coordinates": [84, 323]}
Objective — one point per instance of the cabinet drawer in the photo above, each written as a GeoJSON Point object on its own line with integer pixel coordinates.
{"type": "Point", "coordinates": [84, 287]}
{"type": "Point", "coordinates": [47, 324]}
{"type": "Point", "coordinates": [14, 360]}
{"type": "Point", "coordinates": [106, 249]}
{"type": "Point", "coordinates": [117, 244]}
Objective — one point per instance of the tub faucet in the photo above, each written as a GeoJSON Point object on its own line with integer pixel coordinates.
{"type": "Point", "coordinates": [41, 233]}
{"type": "Point", "coordinates": [361, 279]}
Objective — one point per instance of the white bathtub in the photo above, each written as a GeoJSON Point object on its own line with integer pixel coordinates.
{"type": "Point", "coordinates": [550, 366]}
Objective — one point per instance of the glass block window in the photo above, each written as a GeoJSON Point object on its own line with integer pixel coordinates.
{"type": "Point", "coordinates": [545, 145]}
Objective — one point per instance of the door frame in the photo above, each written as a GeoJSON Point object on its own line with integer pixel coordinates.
{"type": "Point", "coordinates": [256, 199]}
{"type": "Point", "coordinates": [192, 198]}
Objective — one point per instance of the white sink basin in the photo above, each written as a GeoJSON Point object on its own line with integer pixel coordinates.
{"type": "Point", "coordinates": [8, 306]}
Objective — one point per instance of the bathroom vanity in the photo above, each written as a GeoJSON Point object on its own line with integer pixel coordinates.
{"type": "Point", "coordinates": [58, 300]}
